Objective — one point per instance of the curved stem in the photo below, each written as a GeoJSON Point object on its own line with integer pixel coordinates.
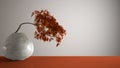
{"type": "Point", "coordinates": [23, 24]}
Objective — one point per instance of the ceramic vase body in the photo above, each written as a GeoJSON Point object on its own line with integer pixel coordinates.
{"type": "Point", "coordinates": [18, 47]}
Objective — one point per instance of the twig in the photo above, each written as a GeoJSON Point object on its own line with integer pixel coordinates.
{"type": "Point", "coordinates": [23, 24]}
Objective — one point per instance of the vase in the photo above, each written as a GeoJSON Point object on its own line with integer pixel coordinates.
{"type": "Point", "coordinates": [18, 47]}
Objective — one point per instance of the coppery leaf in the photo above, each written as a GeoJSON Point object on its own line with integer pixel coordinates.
{"type": "Point", "coordinates": [43, 20]}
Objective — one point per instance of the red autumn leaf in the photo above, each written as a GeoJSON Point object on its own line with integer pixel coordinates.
{"type": "Point", "coordinates": [47, 27]}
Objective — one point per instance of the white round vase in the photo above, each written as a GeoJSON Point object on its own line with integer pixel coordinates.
{"type": "Point", "coordinates": [18, 47]}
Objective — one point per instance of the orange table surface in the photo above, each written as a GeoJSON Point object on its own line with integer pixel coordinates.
{"type": "Point", "coordinates": [63, 62]}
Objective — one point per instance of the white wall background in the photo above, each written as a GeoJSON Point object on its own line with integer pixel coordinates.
{"type": "Point", "coordinates": [93, 26]}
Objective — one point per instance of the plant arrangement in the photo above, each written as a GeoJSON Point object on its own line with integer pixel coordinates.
{"type": "Point", "coordinates": [47, 27]}
{"type": "Point", "coordinates": [19, 47]}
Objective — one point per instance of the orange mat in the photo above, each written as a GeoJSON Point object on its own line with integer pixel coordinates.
{"type": "Point", "coordinates": [63, 62]}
